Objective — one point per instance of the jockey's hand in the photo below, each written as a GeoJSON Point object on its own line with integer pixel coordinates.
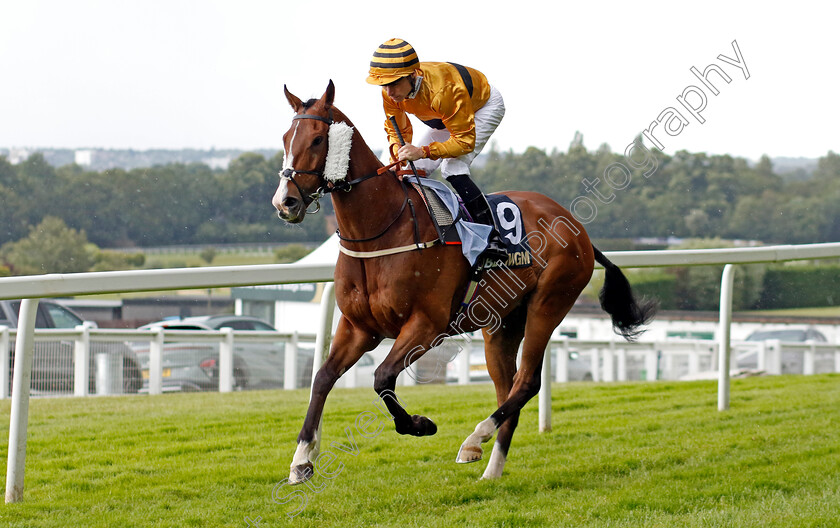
{"type": "Point", "coordinates": [409, 152]}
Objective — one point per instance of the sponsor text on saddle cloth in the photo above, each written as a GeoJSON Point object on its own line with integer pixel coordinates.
{"type": "Point", "coordinates": [473, 236]}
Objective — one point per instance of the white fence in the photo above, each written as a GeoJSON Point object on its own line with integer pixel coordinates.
{"type": "Point", "coordinates": [31, 288]}
{"type": "Point", "coordinates": [88, 360]}
{"type": "Point", "coordinates": [101, 361]}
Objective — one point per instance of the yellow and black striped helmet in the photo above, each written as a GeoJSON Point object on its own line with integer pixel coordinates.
{"type": "Point", "coordinates": [391, 61]}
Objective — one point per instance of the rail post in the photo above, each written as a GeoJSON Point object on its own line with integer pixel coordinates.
{"type": "Point", "coordinates": [5, 348]}
{"type": "Point", "coordinates": [322, 345]}
{"type": "Point", "coordinates": [24, 350]}
{"type": "Point", "coordinates": [226, 361]}
{"type": "Point", "coordinates": [809, 358]}
{"type": "Point", "coordinates": [290, 352]}
{"type": "Point", "coordinates": [545, 392]}
{"type": "Point", "coordinates": [156, 363]}
{"type": "Point", "coordinates": [81, 358]}
{"type": "Point", "coordinates": [726, 282]}
{"type": "Point", "coordinates": [562, 368]}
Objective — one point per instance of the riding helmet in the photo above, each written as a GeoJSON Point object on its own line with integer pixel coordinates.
{"type": "Point", "coordinates": [392, 61]}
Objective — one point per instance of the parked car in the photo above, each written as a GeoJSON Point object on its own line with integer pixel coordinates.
{"type": "Point", "coordinates": [792, 362]}
{"type": "Point", "coordinates": [579, 370]}
{"type": "Point", "coordinates": [790, 335]}
{"type": "Point", "coordinates": [430, 368]}
{"type": "Point", "coordinates": [194, 366]}
{"type": "Point", "coordinates": [53, 362]}
{"type": "Point", "coordinates": [363, 370]}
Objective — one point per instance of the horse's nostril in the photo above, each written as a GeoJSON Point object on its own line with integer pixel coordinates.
{"type": "Point", "coordinates": [290, 203]}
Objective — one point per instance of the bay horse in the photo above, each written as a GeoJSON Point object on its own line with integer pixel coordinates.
{"type": "Point", "coordinates": [386, 286]}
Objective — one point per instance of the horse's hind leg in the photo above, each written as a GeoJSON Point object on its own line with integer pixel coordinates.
{"type": "Point", "coordinates": [500, 351]}
{"type": "Point", "coordinates": [498, 456]}
{"type": "Point", "coordinates": [526, 382]}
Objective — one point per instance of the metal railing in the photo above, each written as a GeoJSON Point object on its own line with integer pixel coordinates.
{"type": "Point", "coordinates": [89, 361]}
{"type": "Point", "coordinates": [85, 361]}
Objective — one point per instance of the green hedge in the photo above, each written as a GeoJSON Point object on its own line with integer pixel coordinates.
{"type": "Point", "coordinates": [800, 286]}
{"type": "Point", "coordinates": [660, 286]}
{"type": "Point", "coordinates": [756, 287]}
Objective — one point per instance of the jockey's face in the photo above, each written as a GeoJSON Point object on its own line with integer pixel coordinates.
{"type": "Point", "coordinates": [399, 89]}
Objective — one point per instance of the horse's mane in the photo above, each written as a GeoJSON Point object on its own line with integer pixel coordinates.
{"type": "Point", "coordinates": [309, 103]}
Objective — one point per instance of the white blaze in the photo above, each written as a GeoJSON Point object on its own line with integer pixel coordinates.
{"type": "Point", "coordinates": [288, 162]}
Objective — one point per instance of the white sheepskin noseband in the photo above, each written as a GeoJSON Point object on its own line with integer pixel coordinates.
{"type": "Point", "coordinates": [340, 138]}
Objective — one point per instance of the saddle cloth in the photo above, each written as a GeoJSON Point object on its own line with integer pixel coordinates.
{"type": "Point", "coordinates": [444, 206]}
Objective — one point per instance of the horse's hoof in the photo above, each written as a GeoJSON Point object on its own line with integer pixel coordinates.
{"type": "Point", "coordinates": [425, 426]}
{"type": "Point", "coordinates": [418, 426]}
{"type": "Point", "coordinates": [468, 454]}
{"type": "Point", "coordinates": [300, 474]}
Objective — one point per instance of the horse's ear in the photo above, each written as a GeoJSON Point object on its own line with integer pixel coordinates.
{"type": "Point", "coordinates": [293, 99]}
{"type": "Point", "coordinates": [329, 95]}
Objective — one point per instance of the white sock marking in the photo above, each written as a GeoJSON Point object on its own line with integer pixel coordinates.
{"type": "Point", "coordinates": [306, 452]}
{"type": "Point", "coordinates": [496, 464]}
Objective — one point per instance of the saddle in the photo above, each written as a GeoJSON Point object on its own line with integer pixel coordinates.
{"type": "Point", "coordinates": [455, 226]}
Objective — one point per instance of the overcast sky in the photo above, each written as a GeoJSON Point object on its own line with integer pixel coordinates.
{"type": "Point", "coordinates": [200, 74]}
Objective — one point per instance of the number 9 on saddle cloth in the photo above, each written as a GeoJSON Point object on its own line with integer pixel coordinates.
{"type": "Point", "coordinates": [445, 207]}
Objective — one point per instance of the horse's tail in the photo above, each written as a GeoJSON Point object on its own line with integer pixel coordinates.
{"type": "Point", "coordinates": [617, 299]}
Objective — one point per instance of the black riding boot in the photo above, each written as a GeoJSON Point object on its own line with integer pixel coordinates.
{"type": "Point", "coordinates": [478, 207]}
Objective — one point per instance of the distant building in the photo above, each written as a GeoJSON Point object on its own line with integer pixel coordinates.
{"type": "Point", "coordinates": [18, 155]}
{"type": "Point", "coordinates": [84, 158]}
{"type": "Point", "coordinates": [219, 162]}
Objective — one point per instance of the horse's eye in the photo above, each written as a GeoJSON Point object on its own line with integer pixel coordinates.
{"type": "Point", "coordinates": [317, 141]}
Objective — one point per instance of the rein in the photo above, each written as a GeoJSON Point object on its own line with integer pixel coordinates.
{"type": "Point", "coordinates": [406, 201]}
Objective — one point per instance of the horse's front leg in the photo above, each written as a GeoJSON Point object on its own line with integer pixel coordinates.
{"type": "Point", "coordinates": [414, 340]}
{"type": "Point", "coordinates": [348, 346]}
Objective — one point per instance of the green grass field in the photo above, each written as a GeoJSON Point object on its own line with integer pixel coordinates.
{"type": "Point", "coordinates": [619, 455]}
{"type": "Point", "coordinates": [193, 260]}
{"type": "Point", "coordinates": [824, 311]}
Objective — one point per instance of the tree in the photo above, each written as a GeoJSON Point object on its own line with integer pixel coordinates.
{"type": "Point", "coordinates": [51, 247]}
{"type": "Point", "coordinates": [755, 217]}
{"type": "Point", "coordinates": [290, 253]}
{"type": "Point", "coordinates": [828, 167]}
{"type": "Point", "coordinates": [35, 187]}
{"type": "Point", "coordinates": [12, 221]}
{"type": "Point", "coordinates": [95, 202]}
{"type": "Point", "coordinates": [208, 254]}
{"type": "Point", "coordinates": [107, 260]}
{"type": "Point", "coordinates": [687, 194]}
{"type": "Point", "coordinates": [698, 287]}
{"type": "Point", "coordinates": [697, 222]}
{"type": "Point", "coordinates": [764, 167]}
{"type": "Point", "coordinates": [803, 219]}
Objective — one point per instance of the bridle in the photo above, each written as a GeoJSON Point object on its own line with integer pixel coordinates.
{"type": "Point", "coordinates": [326, 187]}
{"type": "Point", "coordinates": [341, 185]}
{"type": "Point", "coordinates": [291, 172]}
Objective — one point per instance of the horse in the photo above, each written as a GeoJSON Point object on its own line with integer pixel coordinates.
{"type": "Point", "coordinates": [393, 281]}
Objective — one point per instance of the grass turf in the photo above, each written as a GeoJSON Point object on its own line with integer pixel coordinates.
{"type": "Point", "coordinates": [619, 455]}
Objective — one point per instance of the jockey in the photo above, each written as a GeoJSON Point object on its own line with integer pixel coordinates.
{"type": "Point", "coordinates": [461, 110]}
